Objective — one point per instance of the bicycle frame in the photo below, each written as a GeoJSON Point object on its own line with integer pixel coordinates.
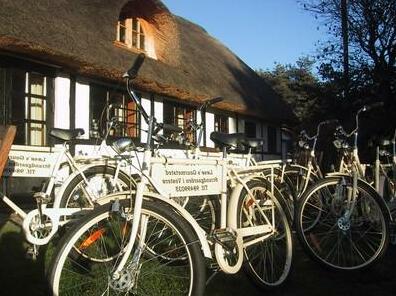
{"type": "Point", "coordinates": [77, 167]}
{"type": "Point", "coordinates": [153, 171]}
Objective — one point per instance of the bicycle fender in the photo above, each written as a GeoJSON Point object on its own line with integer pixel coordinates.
{"type": "Point", "coordinates": [234, 200]}
{"type": "Point", "coordinates": [65, 184]}
{"type": "Point", "coordinates": [175, 206]}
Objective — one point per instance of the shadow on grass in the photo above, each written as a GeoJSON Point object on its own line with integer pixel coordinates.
{"type": "Point", "coordinates": [19, 274]}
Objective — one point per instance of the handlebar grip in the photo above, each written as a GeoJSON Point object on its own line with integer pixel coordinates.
{"type": "Point", "coordinates": [210, 102]}
{"type": "Point", "coordinates": [213, 101]}
{"type": "Point", "coordinates": [373, 106]}
{"type": "Point", "coordinates": [171, 128]}
{"type": "Point", "coordinates": [133, 71]}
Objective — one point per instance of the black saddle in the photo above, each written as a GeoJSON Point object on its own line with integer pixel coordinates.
{"type": "Point", "coordinates": [227, 140]}
{"type": "Point", "coordinates": [252, 143]}
{"type": "Point", "coordinates": [66, 134]}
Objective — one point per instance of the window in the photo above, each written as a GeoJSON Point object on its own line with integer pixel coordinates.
{"type": "Point", "coordinates": [180, 116]}
{"type": "Point", "coordinates": [109, 105]}
{"type": "Point", "coordinates": [250, 129]}
{"type": "Point", "coordinates": [125, 115]}
{"type": "Point", "coordinates": [272, 141]}
{"type": "Point", "coordinates": [130, 32]}
{"type": "Point", "coordinates": [30, 103]}
{"type": "Point", "coordinates": [221, 123]}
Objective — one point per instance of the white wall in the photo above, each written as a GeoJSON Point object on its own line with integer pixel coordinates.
{"type": "Point", "coordinates": [82, 108]}
{"type": "Point", "coordinates": [146, 103]}
{"type": "Point", "coordinates": [232, 125]}
{"type": "Point", "coordinates": [159, 111]}
{"type": "Point", "coordinates": [62, 103]}
{"type": "Point", "coordinates": [209, 120]}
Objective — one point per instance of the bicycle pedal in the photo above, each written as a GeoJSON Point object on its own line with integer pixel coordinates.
{"type": "Point", "coordinates": [42, 197]}
{"type": "Point", "coordinates": [212, 265]}
{"type": "Point", "coordinates": [31, 253]}
{"type": "Point", "coordinates": [225, 237]}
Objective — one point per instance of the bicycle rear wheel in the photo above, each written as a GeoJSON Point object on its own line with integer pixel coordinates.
{"type": "Point", "coordinates": [338, 235]}
{"type": "Point", "coordinates": [170, 262]}
{"type": "Point", "coordinates": [98, 182]}
{"type": "Point", "coordinates": [268, 261]}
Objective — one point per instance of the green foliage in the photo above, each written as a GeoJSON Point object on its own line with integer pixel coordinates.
{"type": "Point", "coordinates": [301, 89]}
{"type": "Point", "coordinates": [372, 67]}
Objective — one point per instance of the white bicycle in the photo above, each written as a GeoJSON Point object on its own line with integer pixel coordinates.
{"type": "Point", "coordinates": [149, 244]}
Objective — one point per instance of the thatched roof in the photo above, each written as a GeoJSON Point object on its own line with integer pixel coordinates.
{"type": "Point", "coordinates": [191, 65]}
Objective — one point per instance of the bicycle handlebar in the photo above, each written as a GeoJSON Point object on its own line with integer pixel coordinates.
{"type": "Point", "coordinates": [372, 106]}
{"type": "Point", "coordinates": [210, 102]}
{"type": "Point", "coordinates": [363, 109]}
{"type": "Point", "coordinates": [325, 122]}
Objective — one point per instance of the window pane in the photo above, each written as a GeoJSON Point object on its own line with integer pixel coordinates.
{"type": "Point", "coordinates": [36, 84]}
{"type": "Point", "coordinates": [135, 24]}
{"type": "Point", "coordinates": [134, 39]}
{"type": "Point", "coordinates": [250, 129]}
{"type": "Point", "coordinates": [122, 34]}
{"type": "Point", "coordinates": [98, 102]}
{"type": "Point", "coordinates": [132, 120]}
{"type": "Point", "coordinates": [36, 132]}
{"type": "Point", "coordinates": [37, 109]}
{"type": "Point", "coordinates": [141, 42]}
{"type": "Point", "coordinates": [221, 123]}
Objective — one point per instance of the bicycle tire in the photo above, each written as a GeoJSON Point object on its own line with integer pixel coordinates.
{"type": "Point", "coordinates": [285, 187]}
{"type": "Point", "coordinates": [147, 274]}
{"type": "Point", "coordinates": [334, 239]}
{"type": "Point", "coordinates": [102, 189]}
{"type": "Point", "coordinates": [268, 263]}
{"type": "Point", "coordinates": [297, 176]}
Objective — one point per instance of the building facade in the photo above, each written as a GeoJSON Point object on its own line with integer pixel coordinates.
{"type": "Point", "coordinates": [61, 65]}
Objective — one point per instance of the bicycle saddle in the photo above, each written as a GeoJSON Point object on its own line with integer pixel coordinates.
{"type": "Point", "coordinates": [227, 140]}
{"type": "Point", "coordinates": [66, 134]}
{"type": "Point", "coordinates": [252, 143]}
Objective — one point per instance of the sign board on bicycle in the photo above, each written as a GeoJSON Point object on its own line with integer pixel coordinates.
{"type": "Point", "coordinates": [24, 161]}
{"type": "Point", "coordinates": [188, 180]}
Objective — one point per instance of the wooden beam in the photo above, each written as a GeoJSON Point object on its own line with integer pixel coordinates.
{"type": "Point", "coordinates": [7, 135]}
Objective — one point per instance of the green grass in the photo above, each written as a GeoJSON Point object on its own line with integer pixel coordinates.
{"type": "Point", "coordinates": [20, 275]}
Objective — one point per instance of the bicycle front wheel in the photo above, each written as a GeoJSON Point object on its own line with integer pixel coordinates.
{"type": "Point", "coordinates": [269, 259]}
{"type": "Point", "coordinates": [339, 230]}
{"type": "Point", "coordinates": [165, 261]}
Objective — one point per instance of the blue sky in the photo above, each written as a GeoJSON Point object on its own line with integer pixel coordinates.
{"type": "Point", "coordinates": [260, 32]}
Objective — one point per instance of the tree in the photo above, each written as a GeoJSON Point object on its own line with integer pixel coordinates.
{"type": "Point", "coordinates": [372, 46]}
{"type": "Point", "coordinates": [301, 89]}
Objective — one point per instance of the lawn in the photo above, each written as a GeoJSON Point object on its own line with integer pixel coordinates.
{"type": "Point", "coordinates": [22, 276]}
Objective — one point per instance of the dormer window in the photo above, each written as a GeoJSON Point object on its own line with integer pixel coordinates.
{"type": "Point", "coordinates": [130, 32]}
